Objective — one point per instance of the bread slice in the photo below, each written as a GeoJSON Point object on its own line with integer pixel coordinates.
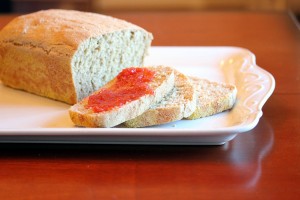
{"type": "Point", "coordinates": [66, 55]}
{"type": "Point", "coordinates": [161, 84]}
{"type": "Point", "coordinates": [179, 103]}
{"type": "Point", "coordinates": [212, 97]}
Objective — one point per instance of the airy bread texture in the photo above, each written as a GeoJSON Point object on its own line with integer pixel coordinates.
{"type": "Point", "coordinates": [162, 84]}
{"type": "Point", "coordinates": [67, 55]}
{"type": "Point", "coordinates": [179, 103]}
{"type": "Point", "coordinates": [212, 97]}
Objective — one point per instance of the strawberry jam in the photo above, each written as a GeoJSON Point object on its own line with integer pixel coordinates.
{"type": "Point", "coordinates": [131, 84]}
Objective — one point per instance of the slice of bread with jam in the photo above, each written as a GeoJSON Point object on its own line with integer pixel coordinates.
{"type": "Point", "coordinates": [125, 97]}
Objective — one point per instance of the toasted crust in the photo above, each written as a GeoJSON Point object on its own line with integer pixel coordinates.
{"type": "Point", "coordinates": [212, 97]}
{"type": "Point", "coordinates": [161, 85]}
{"type": "Point", "coordinates": [66, 55]}
{"type": "Point", "coordinates": [179, 103]}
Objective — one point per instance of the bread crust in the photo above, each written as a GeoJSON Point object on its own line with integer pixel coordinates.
{"type": "Point", "coordinates": [161, 85]}
{"type": "Point", "coordinates": [36, 50]}
{"type": "Point", "coordinates": [60, 31]}
{"type": "Point", "coordinates": [179, 103]}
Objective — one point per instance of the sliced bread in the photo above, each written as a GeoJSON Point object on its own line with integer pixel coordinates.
{"type": "Point", "coordinates": [213, 97]}
{"type": "Point", "coordinates": [127, 96]}
{"type": "Point", "coordinates": [179, 103]}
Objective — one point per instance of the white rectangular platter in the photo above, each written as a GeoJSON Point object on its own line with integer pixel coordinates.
{"type": "Point", "coordinates": [28, 118]}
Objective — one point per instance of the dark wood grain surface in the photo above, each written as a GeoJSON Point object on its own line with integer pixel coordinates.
{"type": "Point", "coordinates": [263, 163]}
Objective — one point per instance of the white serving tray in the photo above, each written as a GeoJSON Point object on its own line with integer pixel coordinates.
{"type": "Point", "coordinates": [32, 119]}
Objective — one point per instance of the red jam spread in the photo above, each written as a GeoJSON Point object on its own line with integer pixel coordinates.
{"type": "Point", "coordinates": [130, 85]}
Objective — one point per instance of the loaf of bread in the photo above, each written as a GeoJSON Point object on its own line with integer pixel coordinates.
{"type": "Point", "coordinates": [179, 103]}
{"type": "Point", "coordinates": [67, 55]}
{"type": "Point", "coordinates": [125, 97]}
{"type": "Point", "coordinates": [212, 97]}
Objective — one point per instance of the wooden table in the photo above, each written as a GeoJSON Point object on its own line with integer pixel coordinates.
{"type": "Point", "coordinates": [261, 164]}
